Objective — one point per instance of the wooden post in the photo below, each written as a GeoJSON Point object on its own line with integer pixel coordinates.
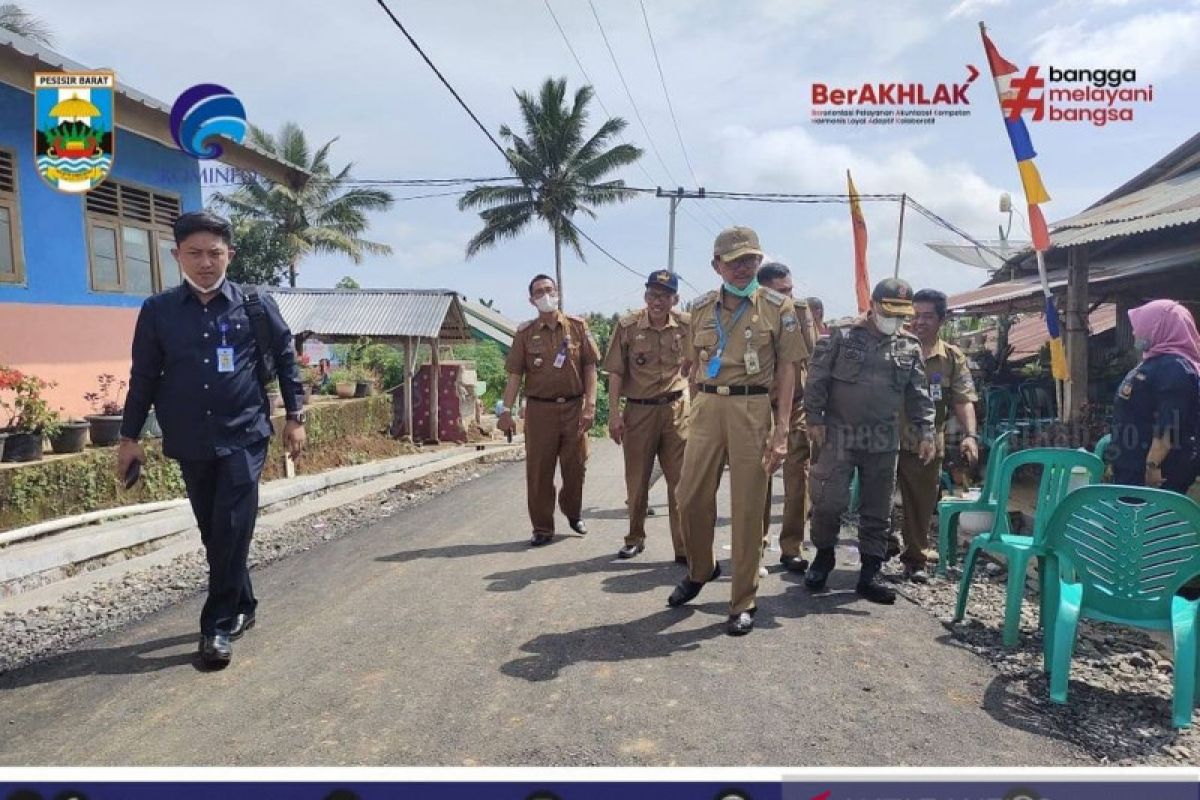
{"type": "Point", "coordinates": [1123, 335]}
{"type": "Point", "coordinates": [1077, 328]}
{"type": "Point", "coordinates": [408, 387]}
{"type": "Point", "coordinates": [435, 369]}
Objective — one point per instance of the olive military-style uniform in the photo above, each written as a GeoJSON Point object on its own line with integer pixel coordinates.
{"type": "Point", "coordinates": [730, 422]}
{"type": "Point", "coordinates": [950, 384]}
{"type": "Point", "coordinates": [551, 357]}
{"type": "Point", "coordinates": [1159, 397]}
{"type": "Point", "coordinates": [795, 464]}
{"type": "Point", "coordinates": [650, 362]}
{"type": "Point", "coordinates": [858, 381]}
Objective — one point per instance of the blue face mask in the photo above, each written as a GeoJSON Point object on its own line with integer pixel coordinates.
{"type": "Point", "coordinates": [736, 292]}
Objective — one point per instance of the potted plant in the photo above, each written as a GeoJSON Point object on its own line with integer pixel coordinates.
{"type": "Point", "coordinates": [71, 437]}
{"type": "Point", "coordinates": [31, 418]}
{"type": "Point", "coordinates": [106, 403]}
{"type": "Point", "coordinates": [364, 381]}
{"type": "Point", "coordinates": [345, 381]}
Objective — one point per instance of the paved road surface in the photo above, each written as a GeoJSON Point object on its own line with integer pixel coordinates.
{"type": "Point", "coordinates": [438, 638]}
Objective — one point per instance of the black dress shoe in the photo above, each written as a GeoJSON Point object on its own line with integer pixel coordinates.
{"type": "Point", "coordinates": [578, 526]}
{"type": "Point", "coordinates": [794, 563]}
{"type": "Point", "coordinates": [215, 650]}
{"type": "Point", "coordinates": [822, 565]}
{"type": "Point", "coordinates": [539, 539]}
{"type": "Point", "coordinates": [241, 624]}
{"type": "Point", "coordinates": [740, 624]}
{"type": "Point", "coordinates": [630, 550]}
{"type": "Point", "coordinates": [687, 589]}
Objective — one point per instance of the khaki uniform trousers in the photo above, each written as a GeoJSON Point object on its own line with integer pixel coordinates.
{"type": "Point", "coordinates": [733, 429]}
{"type": "Point", "coordinates": [830, 486]}
{"type": "Point", "coordinates": [654, 432]}
{"type": "Point", "coordinates": [795, 491]}
{"type": "Point", "coordinates": [919, 493]}
{"type": "Point", "coordinates": [552, 438]}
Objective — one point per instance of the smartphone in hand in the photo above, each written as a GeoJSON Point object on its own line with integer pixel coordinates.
{"type": "Point", "coordinates": [133, 474]}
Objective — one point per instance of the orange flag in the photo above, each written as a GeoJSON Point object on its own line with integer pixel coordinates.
{"type": "Point", "coordinates": [862, 281]}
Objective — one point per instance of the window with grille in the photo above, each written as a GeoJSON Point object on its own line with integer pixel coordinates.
{"type": "Point", "coordinates": [12, 261]}
{"type": "Point", "coordinates": [130, 239]}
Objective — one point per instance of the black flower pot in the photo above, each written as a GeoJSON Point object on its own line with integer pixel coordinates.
{"type": "Point", "coordinates": [23, 447]}
{"type": "Point", "coordinates": [71, 438]}
{"type": "Point", "coordinates": [362, 389]}
{"type": "Point", "coordinates": [3, 436]}
{"type": "Point", "coordinates": [105, 430]}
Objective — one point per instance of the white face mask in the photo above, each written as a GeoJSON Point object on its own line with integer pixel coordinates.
{"type": "Point", "coordinates": [546, 303]}
{"type": "Point", "coordinates": [204, 289]}
{"type": "Point", "coordinates": [887, 325]}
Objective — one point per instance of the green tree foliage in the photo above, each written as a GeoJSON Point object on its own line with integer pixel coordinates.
{"type": "Point", "coordinates": [262, 256]}
{"type": "Point", "coordinates": [347, 283]}
{"type": "Point", "coordinates": [19, 21]}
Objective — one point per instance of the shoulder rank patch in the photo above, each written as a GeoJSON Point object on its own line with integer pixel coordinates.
{"type": "Point", "coordinates": [629, 320]}
{"type": "Point", "coordinates": [682, 317]}
{"type": "Point", "coordinates": [524, 325]}
{"type": "Point", "coordinates": [706, 299]}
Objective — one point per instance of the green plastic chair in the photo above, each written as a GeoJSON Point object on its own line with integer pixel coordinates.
{"type": "Point", "coordinates": [1102, 446]}
{"type": "Point", "coordinates": [951, 507]}
{"type": "Point", "coordinates": [1000, 414]}
{"type": "Point", "coordinates": [855, 493]}
{"type": "Point", "coordinates": [1119, 554]}
{"type": "Point", "coordinates": [1057, 465]}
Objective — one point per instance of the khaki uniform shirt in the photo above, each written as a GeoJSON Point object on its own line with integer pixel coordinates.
{"type": "Point", "coordinates": [648, 360]}
{"type": "Point", "coordinates": [858, 382]}
{"type": "Point", "coordinates": [537, 345]}
{"type": "Point", "coordinates": [768, 328]}
{"type": "Point", "coordinates": [950, 384]}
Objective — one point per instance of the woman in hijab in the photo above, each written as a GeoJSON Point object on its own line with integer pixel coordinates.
{"type": "Point", "coordinates": [1156, 412]}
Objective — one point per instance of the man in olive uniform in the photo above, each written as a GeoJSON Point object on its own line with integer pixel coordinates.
{"type": "Point", "coordinates": [556, 355]}
{"type": "Point", "coordinates": [745, 340]}
{"type": "Point", "coordinates": [950, 386]}
{"type": "Point", "coordinates": [777, 276]}
{"type": "Point", "coordinates": [857, 383]}
{"type": "Point", "coordinates": [645, 364]}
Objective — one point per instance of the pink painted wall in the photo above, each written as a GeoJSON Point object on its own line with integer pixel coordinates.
{"type": "Point", "coordinates": [70, 345]}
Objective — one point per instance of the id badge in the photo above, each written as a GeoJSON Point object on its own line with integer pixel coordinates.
{"type": "Point", "coordinates": [752, 365]}
{"type": "Point", "coordinates": [560, 359]}
{"type": "Point", "coordinates": [224, 359]}
{"type": "Point", "coordinates": [935, 391]}
{"type": "Point", "coordinates": [714, 366]}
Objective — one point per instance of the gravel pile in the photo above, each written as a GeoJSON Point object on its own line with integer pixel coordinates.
{"type": "Point", "coordinates": [54, 629]}
{"type": "Point", "coordinates": [1119, 701]}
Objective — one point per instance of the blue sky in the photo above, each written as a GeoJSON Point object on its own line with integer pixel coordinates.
{"type": "Point", "coordinates": [739, 76]}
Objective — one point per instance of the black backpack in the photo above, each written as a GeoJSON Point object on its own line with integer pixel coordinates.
{"type": "Point", "coordinates": [262, 336]}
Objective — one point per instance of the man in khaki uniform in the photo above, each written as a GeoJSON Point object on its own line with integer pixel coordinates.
{"type": "Point", "coordinates": [777, 276]}
{"type": "Point", "coordinates": [645, 364]}
{"type": "Point", "coordinates": [745, 340]}
{"type": "Point", "coordinates": [857, 383]}
{"type": "Point", "coordinates": [950, 386]}
{"type": "Point", "coordinates": [556, 355]}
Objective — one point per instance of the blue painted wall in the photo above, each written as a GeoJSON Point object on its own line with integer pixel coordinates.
{"type": "Point", "coordinates": [53, 233]}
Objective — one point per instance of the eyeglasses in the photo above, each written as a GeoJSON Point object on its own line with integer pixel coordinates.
{"type": "Point", "coordinates": [658, 297]}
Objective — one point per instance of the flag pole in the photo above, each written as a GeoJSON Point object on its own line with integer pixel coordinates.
{"type": "Point", "coordinates": [900, 234]}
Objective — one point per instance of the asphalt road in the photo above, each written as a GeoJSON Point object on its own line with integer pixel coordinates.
{"type": "Point", "coordinates": [437, 637]}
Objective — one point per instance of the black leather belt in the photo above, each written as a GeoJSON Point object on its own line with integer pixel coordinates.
{"type": "Point", "coordinates": [555, 399]}
{"type": "Point", "coordinates": [661, 400]}
{"type": "Point", "coordinates": [709, 388]}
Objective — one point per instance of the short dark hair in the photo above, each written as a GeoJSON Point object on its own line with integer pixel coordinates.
{"type": "Point", "coordinates": [537, 278]}
{"type": "Point", "coordinates": [773, 271]}
{"type": "Point", "coordinates": [202, 222]}
{"type": "Point", "coordinates": [932, 296]}
{"type": "Point", "coordinates": [815, 302]}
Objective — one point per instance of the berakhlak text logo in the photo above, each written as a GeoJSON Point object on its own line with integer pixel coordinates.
{"type": "Point", "coordinates": [203, 112]}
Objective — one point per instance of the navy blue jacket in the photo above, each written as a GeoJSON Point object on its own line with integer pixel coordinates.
{"type": "Point", "coordinates": [1161, 395]}
{"type": "Point", "coordinates": [204, 413]}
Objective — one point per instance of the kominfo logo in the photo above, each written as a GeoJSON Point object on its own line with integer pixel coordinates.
{"type": "Point", "coordinates": [202, 112]}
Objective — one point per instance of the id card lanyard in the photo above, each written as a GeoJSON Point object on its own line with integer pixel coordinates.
{"type": "Point", "coordinates": [714, 363]}
{"type": "Point", "coordinates": [563, 349]}
{"type": "Point", "coordinates": [224, 352]}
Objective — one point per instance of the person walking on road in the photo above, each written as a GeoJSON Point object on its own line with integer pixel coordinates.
{"type": "Point", "coordinates": [198, 359]}
{"type": "Point", "coordinates": [745, 340]}
{"type": "Point", "coordinates": [646, 365]}
{"type": "Point", "coordinates": [777, 276]}
{"type": "Point", "coordinates": [858, 380]}
{"type": "Point", "coordinates": [950, 387]}
{"type": "Point", "coordinates": [556, 357]}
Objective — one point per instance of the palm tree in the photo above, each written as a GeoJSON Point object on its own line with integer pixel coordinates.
{"type": "Point", "coordinates": [321, 215]}
{"type": "Point", "coordinates": [559, 170]}
{"type": "Point", "coordinates": [19, 21]}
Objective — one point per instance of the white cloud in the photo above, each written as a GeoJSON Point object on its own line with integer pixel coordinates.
{"type": "Point", "coordinates": [1158, 45]}
{"type": "Point", "coordinates": [967, 8]}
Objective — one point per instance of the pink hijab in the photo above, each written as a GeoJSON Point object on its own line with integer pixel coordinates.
{"type": "Point", "coordinates": [1169, 328]}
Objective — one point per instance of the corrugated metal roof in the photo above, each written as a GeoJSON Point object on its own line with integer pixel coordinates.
{"type": "Point", "coordinates": [1172, 202]}
{"type": "Point", "coordinates": [379, 313]}
{"type": "Point", "coordinates": [1028, 335]}
{"type": "Point", "coordinates": [55, 60]}
{"type": "Point", "coordinates": [490, 322]}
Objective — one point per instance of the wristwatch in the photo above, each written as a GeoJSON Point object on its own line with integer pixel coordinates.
{"type": "Point", "coordinates": [297, 416]}
{"type": "Point", "coordinates": [974, 436]}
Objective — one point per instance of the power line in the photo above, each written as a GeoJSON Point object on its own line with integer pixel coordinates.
{"type": "Point", "coordinates": [625, 266]}
{"type": "Point", "coordinates": [671, 108]}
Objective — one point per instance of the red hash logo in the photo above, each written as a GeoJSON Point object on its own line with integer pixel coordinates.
{"type": "Point", "coordinates": [1022, 88]}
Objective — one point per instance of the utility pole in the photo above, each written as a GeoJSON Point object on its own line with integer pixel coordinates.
{"type": "Point", "coordinates": [675, 197]}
